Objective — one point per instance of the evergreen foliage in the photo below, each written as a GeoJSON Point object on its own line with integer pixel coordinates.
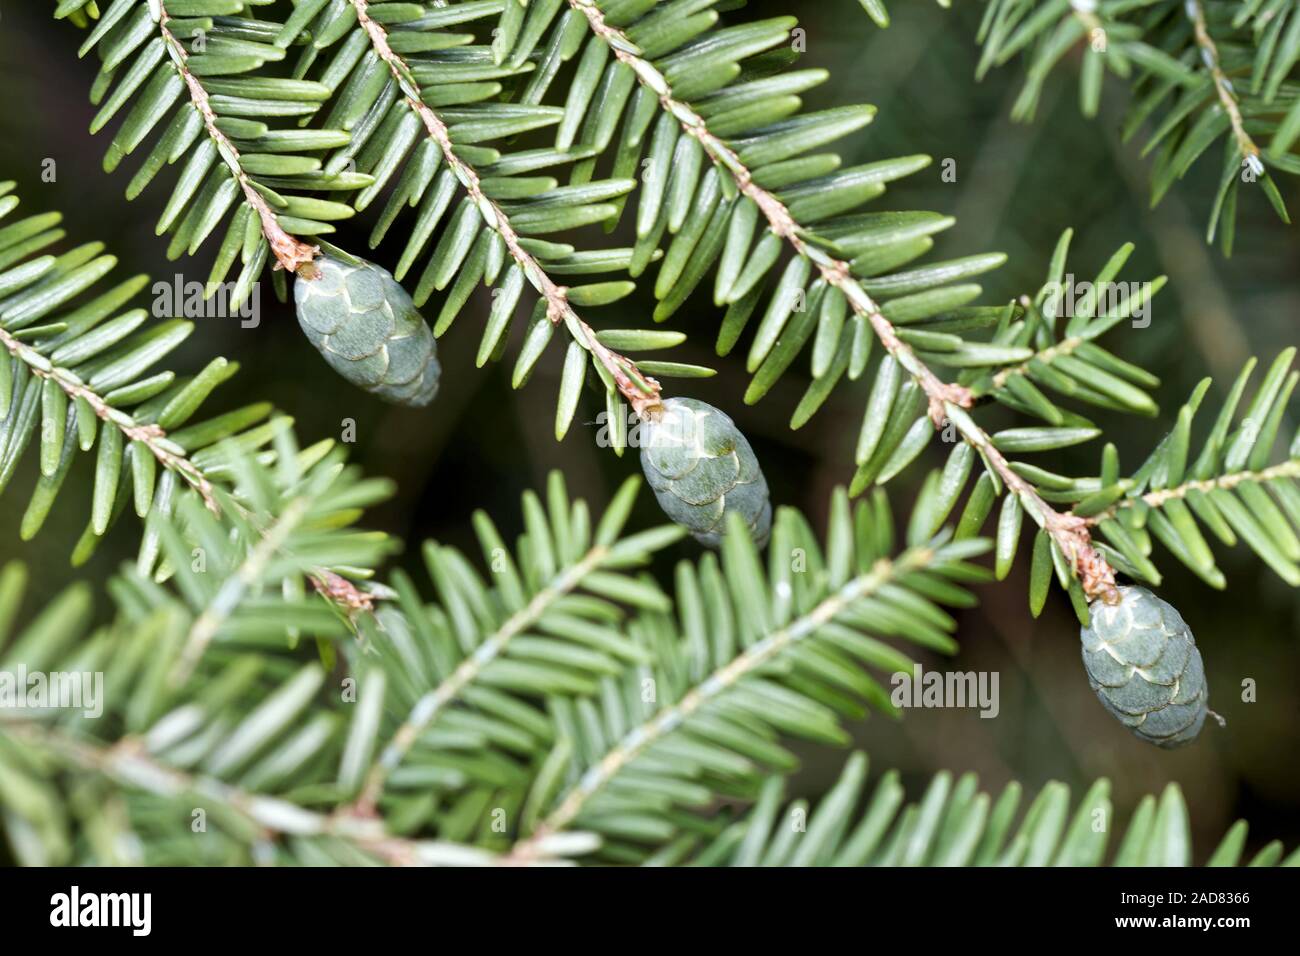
{"type": "Point", "coordinates": [952, 824]}
{"type": "Point", "coordinates": [1201, 73]}
{"type": "Point", "coordinates": [76, 377]}
{"type": "Point", "coordinates": [564, 704]}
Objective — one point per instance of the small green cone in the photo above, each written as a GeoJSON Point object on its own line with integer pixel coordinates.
{"type": "Point", "coordinates": [1143, 664]}
{"type": "Point", "coordinates": [361, 319]}
{"type": "Point", "coordinates": [701, 468]}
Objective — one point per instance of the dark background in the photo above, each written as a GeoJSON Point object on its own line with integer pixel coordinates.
{"type": "Point", "coordinates": [481, 444]}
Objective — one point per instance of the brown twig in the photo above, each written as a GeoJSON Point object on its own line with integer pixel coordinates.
{"type": "Point", "coordinates": [339, 590]}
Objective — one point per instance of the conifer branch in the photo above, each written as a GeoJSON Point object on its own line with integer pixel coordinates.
{"type": "Point", "coordinates": [171, 456]}
{"type": "Point", "coordinates": [945, 400]}
{"type": "Point", "coordinates": [1045, 356]}
{"type": "Point", "coordinates": [234, 588]}
{"type": "Point", "coordinates": [1178, 74]}
{"type": "Point", "coordinates": [1070, 532]}
{"type": "Point", "coordinates": [1157, 499]}
{"type": "Point", "coordinates": [641, 391]}
{"type": "Point", "coordinates": [128, 763]}
{"type": "Point", "coordinates": [1223, 86]}
{"type": "Point", "coordinates": [432, 703]}
{"type": "Point", "coordinates": [977, 829]}
{"type": "Point", "coordinates": [290, 252]}
{"type": "Point", "coordinates": [753, 658]}
{"type": "Point", "coordinates": [168, 454]}
{"type": "Point", "coordinates": [836, 272]}
{"type": "Point", "coordinates": [1085, 12]}
{"type": "Point", "coordinates": [1073, 365]}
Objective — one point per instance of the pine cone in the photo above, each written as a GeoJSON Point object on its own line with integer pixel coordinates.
{"type": "Point", "coordinates": [367, 328]}
{"type": "Point", "coordinates": [1143, 664]}
{"type": "Point", "coordinates": [701, 467]}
